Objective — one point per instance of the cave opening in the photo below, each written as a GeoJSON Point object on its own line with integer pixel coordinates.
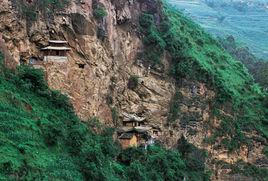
{"type": "Point", "coordinates": [81, 65]}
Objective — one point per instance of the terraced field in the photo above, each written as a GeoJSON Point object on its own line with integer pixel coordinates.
{"type": "Point", "coordinates": [248, 24]}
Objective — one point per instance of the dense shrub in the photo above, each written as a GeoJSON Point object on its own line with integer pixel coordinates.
{"type": "Point", "coordinates": [133, 82]}
{"type": "Point", "coordinates": [99, 12]}
{"type": "Point", "coordinates": [265, 151]}
{"type": "Point", "coordinates": [51, 134]}
{"type": "Point", "coordinates": [250, 170]}
{"type": "Point", "coordinates": [265, 101]}
{"type": "Point", "coordinates": [31, 79]}
{"type": "Point", "coordinates": [159, 164]}
{"type": "Point", "coordinates": [153, 41]}
{"type": "Point", "coordinates": [257, 67]}
{"type": "Point", "coordinates": [30, 12]}
{"type": "Point", "coordinates": [60, 100]}
{"type": "Point", "coordinates": [146, 20]}
{"type": "Point", "coordinates": [195, 157]}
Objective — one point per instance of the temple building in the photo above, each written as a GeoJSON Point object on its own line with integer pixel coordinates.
{"type": "Point", "coordinates": [128, 140]}
{"type": "Point", "coordinates": [131, 120]}
{"type": "Point", "coordinates": [56, 51]}
{"type": "Point", "coordinates": [135, 132]}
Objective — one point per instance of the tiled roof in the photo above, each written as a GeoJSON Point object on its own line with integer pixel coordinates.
{"type": "Point", "coordinates": [58, 41]}
{"type": "Point", "coordinates": [126, 136]}
{"type": "Point", "coordinates": [55, 48]}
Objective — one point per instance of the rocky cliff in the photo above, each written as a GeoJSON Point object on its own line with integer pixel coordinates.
{"type": "Point", "coordinates": [105, 54]}
{"type": "Point", "coordinates": [107, 64]}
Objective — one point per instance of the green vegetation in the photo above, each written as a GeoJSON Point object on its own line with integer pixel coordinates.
{"type": "Point", "coordinates": [158, 164]}
{"type": "Point", "coordinates": [51, 5]}
{"type": "Point", "coordinates": [153, 41]}
{"type": "Point", "coordinates": [133, 82]}
{"type": "Point", "coordinates": [99, 12]}
{"type": "Point", "coordinates": [198, 57]}
{"type": "Point", "coordinates": [42, 139]}
{"type": "Point", "coordinates": [250, 170]}
{"type": "Point", "coordinates": [265, 151]}
{"type": "Point", "coordinates": [257, 67]}
{"type": "Point", "coordinates": [195, 157]}
{"type": "Point", "coordinates": [30, 14]}
{"type": "Point", "coordinates": [30, 10]}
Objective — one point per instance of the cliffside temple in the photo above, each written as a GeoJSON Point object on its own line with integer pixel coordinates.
{"type": "Point", "coordinates": [56, 51]}
{"type": "Point", "coordinates": [135, 132]}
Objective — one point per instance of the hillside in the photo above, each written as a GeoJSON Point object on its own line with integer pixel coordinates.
{"type": "Point", "coordinates": [42, 139]}
{"type": "Point", "coordinates": [245, 20]}
{"type": "Point", "coordinates": [143, 60]}
{"type": "Point", "coordinates": [257, 67]}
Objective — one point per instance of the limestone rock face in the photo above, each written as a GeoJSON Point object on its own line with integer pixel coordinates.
{"type": "Point", "coordinates": [97, 72]}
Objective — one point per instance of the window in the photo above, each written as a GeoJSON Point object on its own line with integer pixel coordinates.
{"type": "Point", "coordinates": [32, 60]}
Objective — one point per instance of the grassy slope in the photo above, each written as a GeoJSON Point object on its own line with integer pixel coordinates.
{"type": "Point", "coordinates": [257, 67]}
{"type": "Point", "coordinates": [23, 149]}
{"type": "Point", "coordinates": [209, 55]}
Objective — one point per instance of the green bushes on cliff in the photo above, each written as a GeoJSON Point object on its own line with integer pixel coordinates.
{"type": "Point", "coordinates": [99, 12]}
{"type": "Point", "coordinates": [257, 67]}
{"type": "Point", "coordinates": [54, 4]}
{"type": "Point", "coordinates": [154, 44]}
{"type": "Point", "coordinates": [133, 82]}
{"type": "Point", "coordinates": [31, 9]}
{"type": "Point", "coordinates": [195, 157]}
{"type": "Point", "coordinates": [258, 173]}
{"type": "Point", "coordinates": [159, 164]}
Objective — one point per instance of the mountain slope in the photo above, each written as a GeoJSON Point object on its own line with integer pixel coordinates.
{"type": "Point", "coordinates": [197, 56]}
{"type": "Point", "coordinates": [141, 58]}
{"type": "Point", "coordinates": [257, 67]}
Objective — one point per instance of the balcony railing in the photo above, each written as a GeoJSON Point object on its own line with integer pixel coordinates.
{"type": "Point", "coordinates": [58, 59]}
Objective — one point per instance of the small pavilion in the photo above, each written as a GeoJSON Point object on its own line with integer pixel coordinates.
{"type": "Point", "coordinates": [131, 120]}
{"type": "Point", "coordinates": [56, 51]}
